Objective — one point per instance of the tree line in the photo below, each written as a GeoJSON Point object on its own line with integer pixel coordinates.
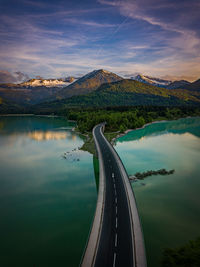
{"type": "Point", "coordinates": [123, 118]}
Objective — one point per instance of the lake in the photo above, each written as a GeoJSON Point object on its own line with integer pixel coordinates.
{"type": "Point", "coordinates": [47, 201]}
{"type": "Point", "coordinates": [48, 189]}
{"type": "Point", "coordinates": [169, 206]}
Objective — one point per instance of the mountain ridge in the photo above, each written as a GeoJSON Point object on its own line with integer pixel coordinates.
{"type": "Point", "coordinates": [101, 81]}
{"type": "Point", "coordinates": [46, 82]}
{"type": "Point", "coordinates": [126, 92]}
{"type": "Point", "coordinates": [151, 80]}
{"type": "Point", "coordinates": [88, 83]}
{"type": "Point", "coordinates": [161, 82]}
{"type": "Point", "coordinates": [194, 86]}
{"type": "Point", "coordinates": [35, 82]}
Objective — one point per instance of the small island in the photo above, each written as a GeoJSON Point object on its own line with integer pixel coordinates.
{"type": "Point", "coordinates": [142, 175]}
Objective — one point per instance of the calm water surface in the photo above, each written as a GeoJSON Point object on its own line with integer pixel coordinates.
{"type": "Point", "coordinates": [46, 202]}
{"type": "Point", "coordinates": [169, 206]}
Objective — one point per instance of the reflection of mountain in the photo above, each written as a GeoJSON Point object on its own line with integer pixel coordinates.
{"type": "Point", "coordinates": [49, 135]}
{"type": "Point", "coordinates": [74, 137]}
{"type": "Point", "coordinates": [188, 125]}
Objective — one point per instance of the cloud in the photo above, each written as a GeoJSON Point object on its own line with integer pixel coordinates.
{"type": "Point", "coordinates": [148, 36]}
{"type": "Point", "coordinates": [89, 23]}
{"type": "Point", "coordinates": [154, 13]}
{"type": "Point", "coordinates": [21, 77]}
{"type": "Point", "coordinates": [6, 77]}
{"type": "Point", "coordinates": [39, 4]}
{"type": "Point", "coordinates": [17, 77]}
{"type": "Point", "coordinates": [172, 66]}
{"type": "Point", "coordinates": [178, 78]}
{"type": "Point", "coordinates": [171, 34]}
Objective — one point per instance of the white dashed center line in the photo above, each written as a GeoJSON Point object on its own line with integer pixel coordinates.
{"type": "Point", "coordinates": [116, 222]}
{"type": "Point", "coordinates": [114, 259]}
{"type": "Point", "coordinates": [116, 200]}
{"type": "Point", "coordinates": [115, 240]}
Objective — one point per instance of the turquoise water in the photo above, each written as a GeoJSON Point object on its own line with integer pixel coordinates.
{"type": "Point", "coordinates": [47, 202]}
{"type": "Point", "coordinates": [169, 206]}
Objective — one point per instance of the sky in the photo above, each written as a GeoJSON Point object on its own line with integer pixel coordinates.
{"type": "Point", "coordinates": [160, 38]}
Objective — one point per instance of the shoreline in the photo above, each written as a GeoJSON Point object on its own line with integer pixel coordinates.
{"type": "Point", "coordinates": [26, 115]}
{"type": "Point", "coordinates": [34, 115]}
{"type": "Point", "coordinates": [87, 135]}
{"type": "Point", "coordinates": [130, 130]}
{"type": "Point", "coordinates": [15, 115]}
{"type": "Point", "coordinates": [149, 123]}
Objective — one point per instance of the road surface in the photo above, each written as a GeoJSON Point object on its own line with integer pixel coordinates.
{"type": "Point", "coordinates": [116, 238]}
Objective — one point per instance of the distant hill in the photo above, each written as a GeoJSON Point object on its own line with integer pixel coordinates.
{"type": "Point", "coordinates": [10, 107]}
{"type": "Point", "coordinates": [38, 90]}
{"type": "Point", "coordinates": [124, 93]}
{"type": "Point", "coordinates": [30, 95]}
{"type": "Point", "coordinates": [88, 83]}
{"type": "Point", "coordinates": [178, 84]}
{"type": "Point", "coordinates": [99, 88]}
{"type": "Point", "coordinates": [131, 86]}
{"type": "Point", "coordinates": [34, 90]}
{"type": "Point", "coordinates": [195, 86]}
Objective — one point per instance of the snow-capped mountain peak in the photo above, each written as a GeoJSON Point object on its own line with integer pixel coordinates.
{"type": "Point", "coordinates": [151, 80]}
{"type": "Point", "coordinates": [48, 82]}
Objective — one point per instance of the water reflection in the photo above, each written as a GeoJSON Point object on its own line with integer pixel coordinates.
{"type": "Point", "coordinates": [46, 203]}
{"type": "Point", "coordinates": [189, 125]}
{"type": "Point", "coordinates": [49, 135]}
{"type": "Point", "coordinates": [168, 205]}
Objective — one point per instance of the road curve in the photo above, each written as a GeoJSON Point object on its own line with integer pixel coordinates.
{"type": "Point", "coordinates": [116, 237]}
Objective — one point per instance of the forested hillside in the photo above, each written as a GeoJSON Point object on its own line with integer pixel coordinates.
{"type": "Point", "coordinates": [123, 118]}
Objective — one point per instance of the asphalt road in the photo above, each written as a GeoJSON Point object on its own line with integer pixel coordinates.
{"type": "Point", "coordinates": [115, 246]}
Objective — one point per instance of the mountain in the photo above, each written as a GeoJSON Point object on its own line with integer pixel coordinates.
{"type": "Point", "coordinates": [8, 107]}
{"type": "Point", "coordinates": [61, 82]}
{"type": "Point", "coordinates": [48, 82]}
{"type": "Point", "coordinates": [98, 88]}
{"type": "Point", "coordinates": [88, 83]}
{"type": "Point", "coordinates": [123, 93]}
{"type": "Point", "coordinates": [178, 84]}
{"type": "Point", "coordinates": [160, 82]}
{"type": "Point", "coordinates": [29, 95]}
{"type": "Point", "coordinates": [33, 91]}
{"type": "Point", "coordinates": [38, 90]}
{"type": "Point", "coordinates": [135, 87]}
{"type": "Point", "coordinates": [151, 80]}
{"type": "Point", "coordinates": [195, 86]}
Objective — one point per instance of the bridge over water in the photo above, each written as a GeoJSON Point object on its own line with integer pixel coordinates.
{"type": "Point", "coordinates": [116, 237]}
